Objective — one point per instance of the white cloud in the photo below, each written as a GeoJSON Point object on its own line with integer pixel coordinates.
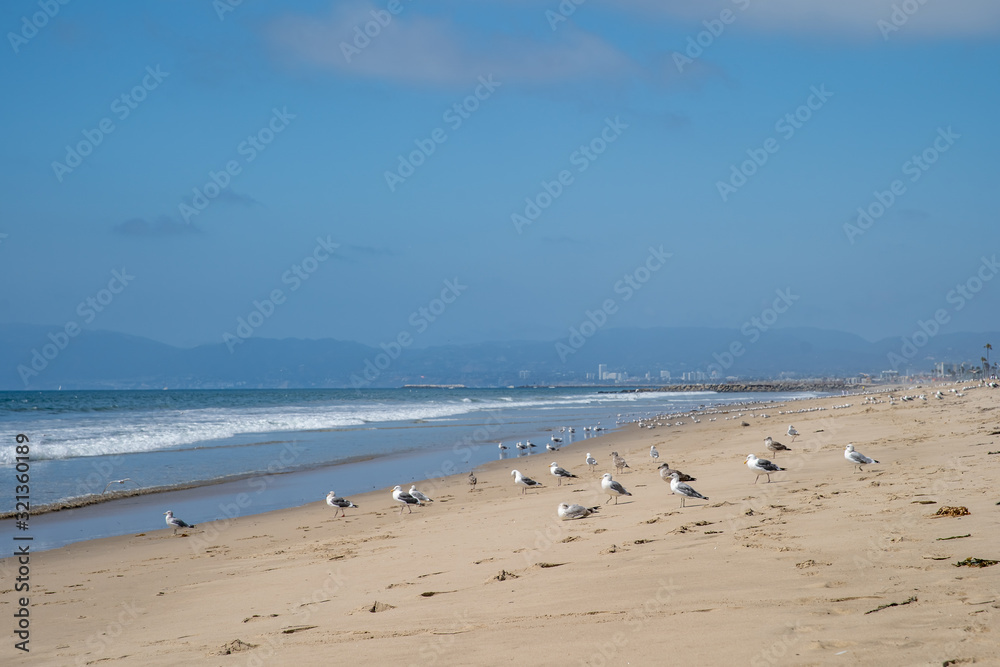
{"type": "Point", "coordinates": [424, 50]}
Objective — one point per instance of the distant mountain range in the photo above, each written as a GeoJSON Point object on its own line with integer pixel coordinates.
{"type": "Point", "coordinates": [37, 357]}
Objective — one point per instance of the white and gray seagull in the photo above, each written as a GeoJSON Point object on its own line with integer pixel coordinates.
{"type": "Point", "coordinates": [682, 489]}
{"type": "Point", "coordinates": [404, 499]}
{"type": "Point", "coordinates": [567, 511]}
{"type": "Point", "coordinates": [524, 482]}
{"type": "Point", "coordinates": [857, 458]}
{"type": "Point", "coordinates": [120, 481]}
{"type": "Point", "coordinates": [792, 432]}
{"type": "Point", "coordinates": [653, 454]}
{"type": "Point", "coordinates": [612, 488]}
{"type": "Point", "coordinates": [761, 467]}
{"type": "Point", "coordinates": [591, 461]}
{"type": "Point", "coordinates": [419, 496]}
{"type": "Point", "coordinates": [338, 503]}
{"type": "Point", "coordinates": [176, 523]}
{"type": "Point", "coordinates": [559, 473]}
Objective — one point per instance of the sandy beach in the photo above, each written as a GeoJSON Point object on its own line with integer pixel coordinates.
{"type": "Point", "coordinates": [798, 571]}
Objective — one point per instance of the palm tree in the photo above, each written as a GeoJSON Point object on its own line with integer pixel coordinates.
{"type": "Point", "coordinates": [988, 348]}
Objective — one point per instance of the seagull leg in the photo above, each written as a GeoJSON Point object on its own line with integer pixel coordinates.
{"type": "Point", "coordinates": [756, 478]}
{"type": "Point", "coordinates": [608, 500]}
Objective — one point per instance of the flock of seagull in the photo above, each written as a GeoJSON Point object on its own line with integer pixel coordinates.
{"type": "Point", "coordinates": [614, 489]}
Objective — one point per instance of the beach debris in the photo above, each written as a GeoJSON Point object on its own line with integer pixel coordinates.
{"type": "Point", "coordinates": [923, 502]}
{"type": "Point", "coordinates": [176, 523]}
{"type": "Point", "coordinates": [524, 482]}
{"type": "Point", "coordinates": [682, 489]}
{"type": "Point", "coordinates": [744, 423]}
{"type": "Point", "coordinates": [296, 628]}
{"type": "Point", "coordinates": [612, 488]}
{"type": "Point", "coordinates": [235, 646]}
{"type": "Point", "coordinates": [976, 562]}
{"type": "Point", "coordinates": [472, 478]}
{"type": "Point", "coordinates": [338, 504]}
{"type": "Point", "coordinates": [565, 511]}
{"type": "Point", "coordinates": [547, 565]}
{"type": "Point", "coordinates": [857, 458]}
{"type": "Point", "coordinates": [250, 618]}
{"type": "Point", "coordinates": [947, 510]}
{"type": "Point", "coordinates": [892, 604]}
{"type": "Point", "coordinates": [379, 606]}
{"type": "Point", "coordinates": [428, 594]}
{"type": "Point", "coordinates": [505, 575]}
{"type": "Point", "coordinates": [954, 537]}
{"type": "Point", "coordinates": [762, 467]}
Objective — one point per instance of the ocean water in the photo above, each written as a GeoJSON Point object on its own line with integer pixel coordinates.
{"type": "Point", "coordinates": [282, 448]}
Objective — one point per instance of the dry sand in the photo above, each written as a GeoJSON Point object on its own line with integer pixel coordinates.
{"type": "Point", "coordinates": [766, 574]}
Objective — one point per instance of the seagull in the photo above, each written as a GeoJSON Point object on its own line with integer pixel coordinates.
{"type": "Point", "coordinates": [591, 461]}
{"type": "Point", "coordinates": [419, 496]}
{"type": "Point", "coordinates": [119, 481]}
{"type": "Point", "coordinates": [567, 512]}
{"type": "Point", "coordinates": [555, 439]}
{"type": "Point", "coordinates": [175, 522]}
{"type": "Point", "coordinates": [530, 444]}
{"type": "Point", "coordinates": [521, 446]}
{"type": "Point", "coordinates": [682, 489]}
{"type": "Point", "coordinates": [653, 454]}
{"type": "Point", "coordinates": [525, 482]}
{"type": "Point", "coordinates": [338, 503]}
{"type": "Point", "coordinates": [619, 462]}
{"type": "Point", "coordinates": [761, 467]}
{"type": "Point", "coordinates": [551, 447]}
{"type": "Point", "coordinates": [559, 472]}
{"type": "Point", "coordinates": [613, 488]}
{"type": "Point", "coordinates": [666, 471]}
{"type": "Point", "coordinates": [472, 481]}
{"type": "Point", "coordinates": [404, 499]}
{"type": "Point", "coordinates": [501, 446]}
{"type": "Point", "coordinates": [775, 446]}
{"type": "Point", "coordinates": [792, 432]}
{"type": "Point", "coordinates": [857, 458]}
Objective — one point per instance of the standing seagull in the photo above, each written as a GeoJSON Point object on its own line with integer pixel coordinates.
{"type": "Point", "coordinates": [613, 488]}
{"type": "Point", "coordinates": [552, 448]}
{"type": "Point", "coordinates": [472, 481]}
{"type": "Point", "coordinates": [666, 471]}
{"type": "Point", "coordinates": [176, 523]}
{"type": "Point", "coordinates": [419, 496]}
{"type": "Point", "coordinates": [591, 461]}
{"type": "Point", "coordinates": [682, 489]}
{"type": "Point", "coordinates": [619, 462]}
{"type": "Point", "coordinates": [525, 482]}
{"type": "Point", "coordinates": [857, 458]}
{"type": "Point", "coordinates": [761, 467]}
{"type": "Point", "coordinates": [775, 446]}
{"type": "Point", "coordinates": [555, 439]}
{"type": "Point", "coordinates": [567, 512]}
{"type": "Point", "coordinates": [792, 432]}
{"type": "Point", "coordinates": [559, 472]}
{"type": "Point", "coordinates": [404, 499]}
{"type": "Point", "coordinates": [653, 454]}
{"type": "Point", "coordinates": [502, 447]}
{"type": "Point", "coordinates": [338, 503]}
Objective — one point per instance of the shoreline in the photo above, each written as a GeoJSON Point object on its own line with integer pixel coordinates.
{"type": "Point", "coordinates": [779, 573]}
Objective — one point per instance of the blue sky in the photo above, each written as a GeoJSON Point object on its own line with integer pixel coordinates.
{"type": "Point", "coordinates": [201, 81]}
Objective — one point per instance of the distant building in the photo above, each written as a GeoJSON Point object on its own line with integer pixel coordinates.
{"type": "Point", "coordinates": [602, 370]}
{"type": "Point", "coordinates": [664, 375]}
{"type": "Point", "coordinates": [524, 375]}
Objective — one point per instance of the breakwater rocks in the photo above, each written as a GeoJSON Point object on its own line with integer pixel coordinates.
{"type": "Point", "coordinates": [738, 387]}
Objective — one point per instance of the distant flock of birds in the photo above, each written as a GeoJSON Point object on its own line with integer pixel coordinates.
{"type": "Point", "coordinates": [614, 489]}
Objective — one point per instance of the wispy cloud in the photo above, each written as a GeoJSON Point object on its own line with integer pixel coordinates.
{"type": "Point", "coordinates": [436, 51]}
{"type": "Point", "coordinates": [836, 18]}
